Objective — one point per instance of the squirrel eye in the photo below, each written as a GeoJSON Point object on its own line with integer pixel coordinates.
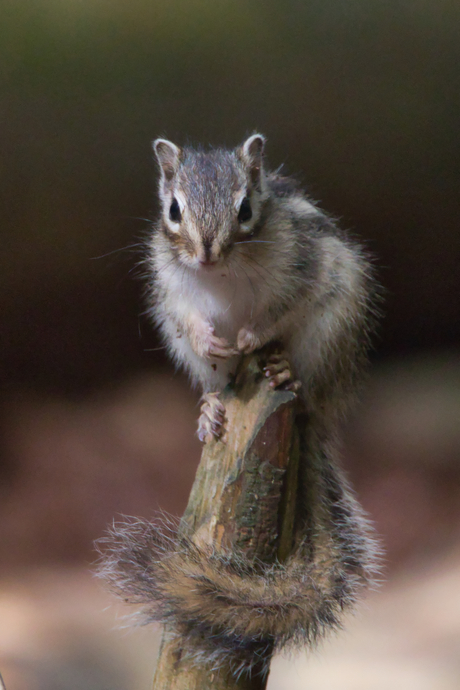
{"type": "Point", "coordinates": [245, 212]}
{"type": "Point", "coordinates": [174, 211]}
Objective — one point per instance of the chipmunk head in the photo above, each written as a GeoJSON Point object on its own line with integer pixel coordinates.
{"type": "Point", "coordinates": [210, 200]}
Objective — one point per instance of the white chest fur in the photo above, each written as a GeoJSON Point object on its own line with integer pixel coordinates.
{"type": "Point", "coordinates": [223, 295]}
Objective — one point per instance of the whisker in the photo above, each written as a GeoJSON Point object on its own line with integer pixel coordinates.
{"type": "Point", "coordinates": [251, 258]}
{"type": "Point", "coordinates": [229, 305]}
{"type": "Point", "coordinates": [184, 271]}
{"type": "Point", "coordinates": [230, 264]}
{"type": "Point", "coordinates": [163, 268]}
{"type": "Point", "coordinates": [236, 286]}
{"type": "Point", "coordinates": [236, 281]}
{"type": "Point", "coordinates": [177, 268]}
{"type": "Point", "coordinates": [115, 251]}
{"type": "Point", "coordinates": [252, 288]}
{"type": "Point", "coordinates": [246, 259]}
{"type": "Point", "coordinates": [255, 242]}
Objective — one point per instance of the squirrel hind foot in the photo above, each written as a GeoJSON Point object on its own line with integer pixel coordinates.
{"type": "Point", "coordinates": [278, 372]}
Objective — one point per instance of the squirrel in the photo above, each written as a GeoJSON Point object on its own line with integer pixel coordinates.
{"type": "Point", "coordinates": [239, 258]}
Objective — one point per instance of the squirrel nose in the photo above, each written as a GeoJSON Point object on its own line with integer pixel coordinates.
{"type": "Point", "coordinates": [206, 257]}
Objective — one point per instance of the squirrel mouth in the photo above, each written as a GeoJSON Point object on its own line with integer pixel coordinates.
{"type": "Point", "coordinates": [207, 264]}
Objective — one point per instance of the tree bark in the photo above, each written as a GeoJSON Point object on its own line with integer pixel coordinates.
{"type": "Point", "coordinates": [244, 499]}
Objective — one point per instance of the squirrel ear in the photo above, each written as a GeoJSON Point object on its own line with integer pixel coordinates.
{"type": "Point", "coordinates": [168, 156]}
{"type": "Point", "coordinates": [252, 152]}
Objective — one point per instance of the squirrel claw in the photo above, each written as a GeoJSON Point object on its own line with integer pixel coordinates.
{"type": "Point", "coordinates": [278, 371]}
{"type": "Point", "coordinates": [212, 417]}
{"type": "Point", "coordinates": [207, 344]}
{"type": "Point", "coordinates": [222, 351]}
{"type": "Point", "coordinates": [219, 347]}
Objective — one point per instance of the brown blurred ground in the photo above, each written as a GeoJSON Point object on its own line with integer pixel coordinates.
{"type": "Point", "coordinates": [74, 466]}
{"type": "Point", "coordinates": [362, 99]}
{"type": "Point", "coordinates": [58, 633]}
{"type": "Point", "coordinates": [131, 450]}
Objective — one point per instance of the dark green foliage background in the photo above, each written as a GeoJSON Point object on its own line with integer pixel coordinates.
{"type": "Point", "coordinates": [362, 97]}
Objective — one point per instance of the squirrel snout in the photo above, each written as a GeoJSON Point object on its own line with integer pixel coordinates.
{"type": "Point", "coordinates": [205, 261]}
{"type": "Point", "coordinates": [207, 254]}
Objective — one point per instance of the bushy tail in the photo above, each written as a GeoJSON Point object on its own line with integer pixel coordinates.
{"type": "Point", "coordinates": [225, 606]}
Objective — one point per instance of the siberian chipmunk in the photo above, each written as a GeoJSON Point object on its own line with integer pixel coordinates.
{"type": "Point", "coordinates": [240, 257]}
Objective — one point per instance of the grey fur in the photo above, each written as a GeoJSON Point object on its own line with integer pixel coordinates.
{"type": "Point", "coordinates": [220, 287]}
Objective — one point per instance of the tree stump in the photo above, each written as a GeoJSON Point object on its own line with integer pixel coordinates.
{"type": "Point", "coordinates": [271, 549]}
{"type": "Point", "coordinates": [244, 499]}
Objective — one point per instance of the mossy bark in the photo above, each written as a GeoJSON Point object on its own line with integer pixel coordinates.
{"type": "Point", "coordinates": [243, 498]}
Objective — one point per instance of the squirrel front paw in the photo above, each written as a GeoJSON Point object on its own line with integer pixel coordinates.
{"type": "Point", "coordinates": [212, 417]}
{"type": "Point", "coordinates": [219, 347]}
{"type": "Point", "coordinates": [247, 341]}
{"type": "Point", "coordinates": [207, 344]}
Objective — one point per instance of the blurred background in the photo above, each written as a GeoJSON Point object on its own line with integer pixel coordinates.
{"type": "Point", "coordinates": [362, 99]}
